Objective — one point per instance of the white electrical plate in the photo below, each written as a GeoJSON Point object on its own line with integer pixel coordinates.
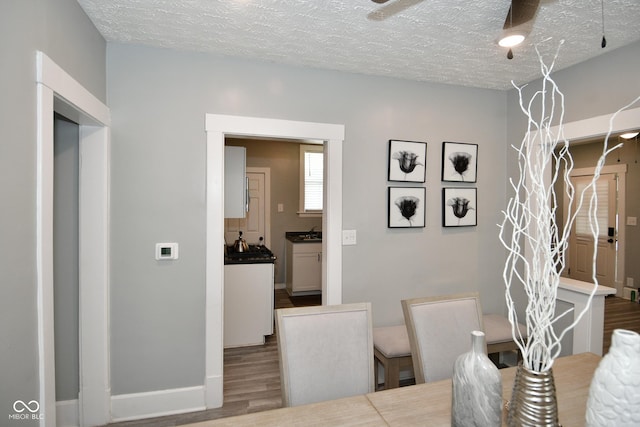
{"type": "Point", "coordinates": [349, 237]}
{"type": "Point", "coordinates": [166, 251]}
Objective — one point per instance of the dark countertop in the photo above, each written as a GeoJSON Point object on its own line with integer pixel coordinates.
{"type": "Point", "coordinates": [303, 236]}
{"type": "Point", "coordinates": [254, 255]}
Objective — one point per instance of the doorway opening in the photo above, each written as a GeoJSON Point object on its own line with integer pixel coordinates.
{"type": "Point", "coordinates": [218, 127]}
{"type": "Point", "coordinates": [65, 265]}
{"type": "Point", "coordinates": [58, 92]}
{"type": "Point", "coordinates": [596, 129]}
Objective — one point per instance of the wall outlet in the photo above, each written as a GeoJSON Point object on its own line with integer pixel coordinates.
{"type": "Point", "coordinates": [280, 207]}
{"type": "Point", "coordinates": [348, 237]}
{"type": "Point", "coordinates": [630, 282]}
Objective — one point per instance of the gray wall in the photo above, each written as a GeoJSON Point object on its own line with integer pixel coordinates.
{"type": "Point", "coordinates": [62, 30]}
{"type": "Point", "coordinates": [283, 158]}
{"type": "Point", "coordinates": [158, 99]}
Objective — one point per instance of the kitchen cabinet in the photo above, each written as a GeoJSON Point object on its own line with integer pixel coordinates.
{"type": "Point", "coordinates": [304, 268]}
{"type": "Point", "coordinates": [248, 304]}
{"type": "Point", "coordinates": [235, 182]}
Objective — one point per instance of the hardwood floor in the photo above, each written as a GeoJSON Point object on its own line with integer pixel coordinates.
{"type": "Point", "coordinates": [252, 375]}
{"type": "Point", "coordinates": [619, 314]}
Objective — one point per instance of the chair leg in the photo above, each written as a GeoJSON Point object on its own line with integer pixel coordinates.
{"type": "Point", "coordinates": [392, 374]}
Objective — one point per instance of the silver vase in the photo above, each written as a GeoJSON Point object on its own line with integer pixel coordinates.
{"type": "Point", "coordinates": [533, 401]}
{"type": "Point", "coordinates": [477, 388]}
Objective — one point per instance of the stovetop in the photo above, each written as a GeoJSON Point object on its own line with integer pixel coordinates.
{"type": "Point", "coordinates": [253, 255]}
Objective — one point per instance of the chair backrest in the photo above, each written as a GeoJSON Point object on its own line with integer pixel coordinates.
{"type": "Point", "coordinates": [439, 331]}
{"type": "Point", "coordinates": [325, 352]}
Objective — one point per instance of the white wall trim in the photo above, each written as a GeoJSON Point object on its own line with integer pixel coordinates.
{"type": "Point", "coordinates": [67, 413]}
{"type": "Point", "coordinates": [151, 404]}
{"type": "Point", "coordinates": [217, 127]}
{"type": "Point", "coordinates": [56, 88]}
{"type": "Point", "coordinates": [599, 125]}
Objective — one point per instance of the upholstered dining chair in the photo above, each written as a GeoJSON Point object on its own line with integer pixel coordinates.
{"type": "Point", "coordinates": [439, 331]}
{"type": "Point", "coordinates": [325, 352]}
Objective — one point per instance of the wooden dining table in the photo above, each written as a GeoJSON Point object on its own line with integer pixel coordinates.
{"type": "Point", "coordinates": [423, 404]}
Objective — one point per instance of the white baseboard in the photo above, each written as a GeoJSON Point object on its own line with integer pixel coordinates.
{"type": "Point", "coordinates": [280, 286]}
{"type": "Point", "coordinates": [67, 413]}
{"type": "Point", "coordinates": [214, 391]}
{"type": "Point", "coordinates": [135, 406]}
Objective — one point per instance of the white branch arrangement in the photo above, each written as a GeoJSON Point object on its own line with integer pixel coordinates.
{"type": "Point", "coordinates": [535, 244]}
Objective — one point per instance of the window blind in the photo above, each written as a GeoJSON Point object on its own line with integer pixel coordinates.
{"type": "Point", "coordinates": [582, 219]}
{"type": "Point", "coordinates": [313, 175]}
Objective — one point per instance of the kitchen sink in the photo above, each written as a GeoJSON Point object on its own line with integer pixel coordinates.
{"type": "Point", "coordinates": [304, 236]}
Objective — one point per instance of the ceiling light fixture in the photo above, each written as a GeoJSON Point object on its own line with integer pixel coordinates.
{"type": "Point", "coordinates": [518, 24]}
{"type": "Point", "coordinates": [629, 135]}
{"type": "Point", "coordinates": [512, 39]}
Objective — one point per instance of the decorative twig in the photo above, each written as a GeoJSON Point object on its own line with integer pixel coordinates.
{"type": "Point", "coordinates": [535, 243]}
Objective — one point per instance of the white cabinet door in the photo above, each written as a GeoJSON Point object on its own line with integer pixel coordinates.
{"type": "Point", "coordinates": [304, 267]}
{"type": "Point", "coordinates": [306, 271]}
{"type": "Point", "coordinates": [235, 182]}
{"type": "Point", "coordinates": [248, 304]}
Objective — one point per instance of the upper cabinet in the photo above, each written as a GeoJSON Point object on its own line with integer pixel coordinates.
{"type": "Point", "coordinates": [235, 182]}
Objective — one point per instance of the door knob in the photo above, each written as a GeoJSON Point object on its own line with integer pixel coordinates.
{"type": "Point", "coordinates": [610, 240]}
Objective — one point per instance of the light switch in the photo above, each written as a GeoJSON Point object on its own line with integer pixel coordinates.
{"type": "Point", "coordinates": [166, 251]}
{"type": "Point", "coordinates": [632, 220]}
{"type": "Point", "coordinates": [348, 237]}
{"type": "Point", "coordinates": [280, 207]}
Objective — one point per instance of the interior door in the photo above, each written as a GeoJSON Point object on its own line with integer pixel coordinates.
{"type": "Point", "coordinates": [255, 224]}
{"type": "Point", "coordinates": [581, 243]}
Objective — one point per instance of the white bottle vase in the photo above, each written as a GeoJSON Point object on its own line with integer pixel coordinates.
{"type": "Point", "coordinates": [477, 387]}
{"type": "Point", "coordinates": [614, 395]}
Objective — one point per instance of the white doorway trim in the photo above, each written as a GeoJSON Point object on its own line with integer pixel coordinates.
{"type": "Point", "coordinates": [217, 127]}
{"type": "Point", "coordinates": [58, 91]}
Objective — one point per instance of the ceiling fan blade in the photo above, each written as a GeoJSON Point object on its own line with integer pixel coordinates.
{"type": "Point", "coordinates": [390, 9]}
{"type": "Point", "coordinates": [521, 12]}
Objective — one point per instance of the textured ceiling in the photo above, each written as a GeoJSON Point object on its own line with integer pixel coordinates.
{"type": "Point", "coordinates": [443, 41]}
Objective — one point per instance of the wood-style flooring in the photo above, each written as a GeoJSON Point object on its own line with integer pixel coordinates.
{"type": "Point", "coordinates": [252, 375]}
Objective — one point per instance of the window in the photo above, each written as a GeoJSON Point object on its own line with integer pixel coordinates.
{"type": "Point", "coordinates": [311, 179]}
{"type": "Point", "coordinates": [583, 226]}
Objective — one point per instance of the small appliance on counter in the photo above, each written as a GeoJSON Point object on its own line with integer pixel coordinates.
{"type": "Point", "coordinates": [249, 254]}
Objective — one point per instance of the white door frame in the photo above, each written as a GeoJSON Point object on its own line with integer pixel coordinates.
{"type": "Point", "coordinates": [58, 91]}
{"type": "Point", "coordinates": [217, 128]}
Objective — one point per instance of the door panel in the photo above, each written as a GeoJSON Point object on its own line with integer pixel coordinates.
{"type": "Point", "coordinates": [253, 226]}
{"type": "Point", "coordinates": [581, 243]}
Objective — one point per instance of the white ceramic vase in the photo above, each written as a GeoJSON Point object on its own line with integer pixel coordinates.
{"type": "Point", "coordinates": [476, 398]}
{"type": "Point", "coordinates": [614, 395]}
